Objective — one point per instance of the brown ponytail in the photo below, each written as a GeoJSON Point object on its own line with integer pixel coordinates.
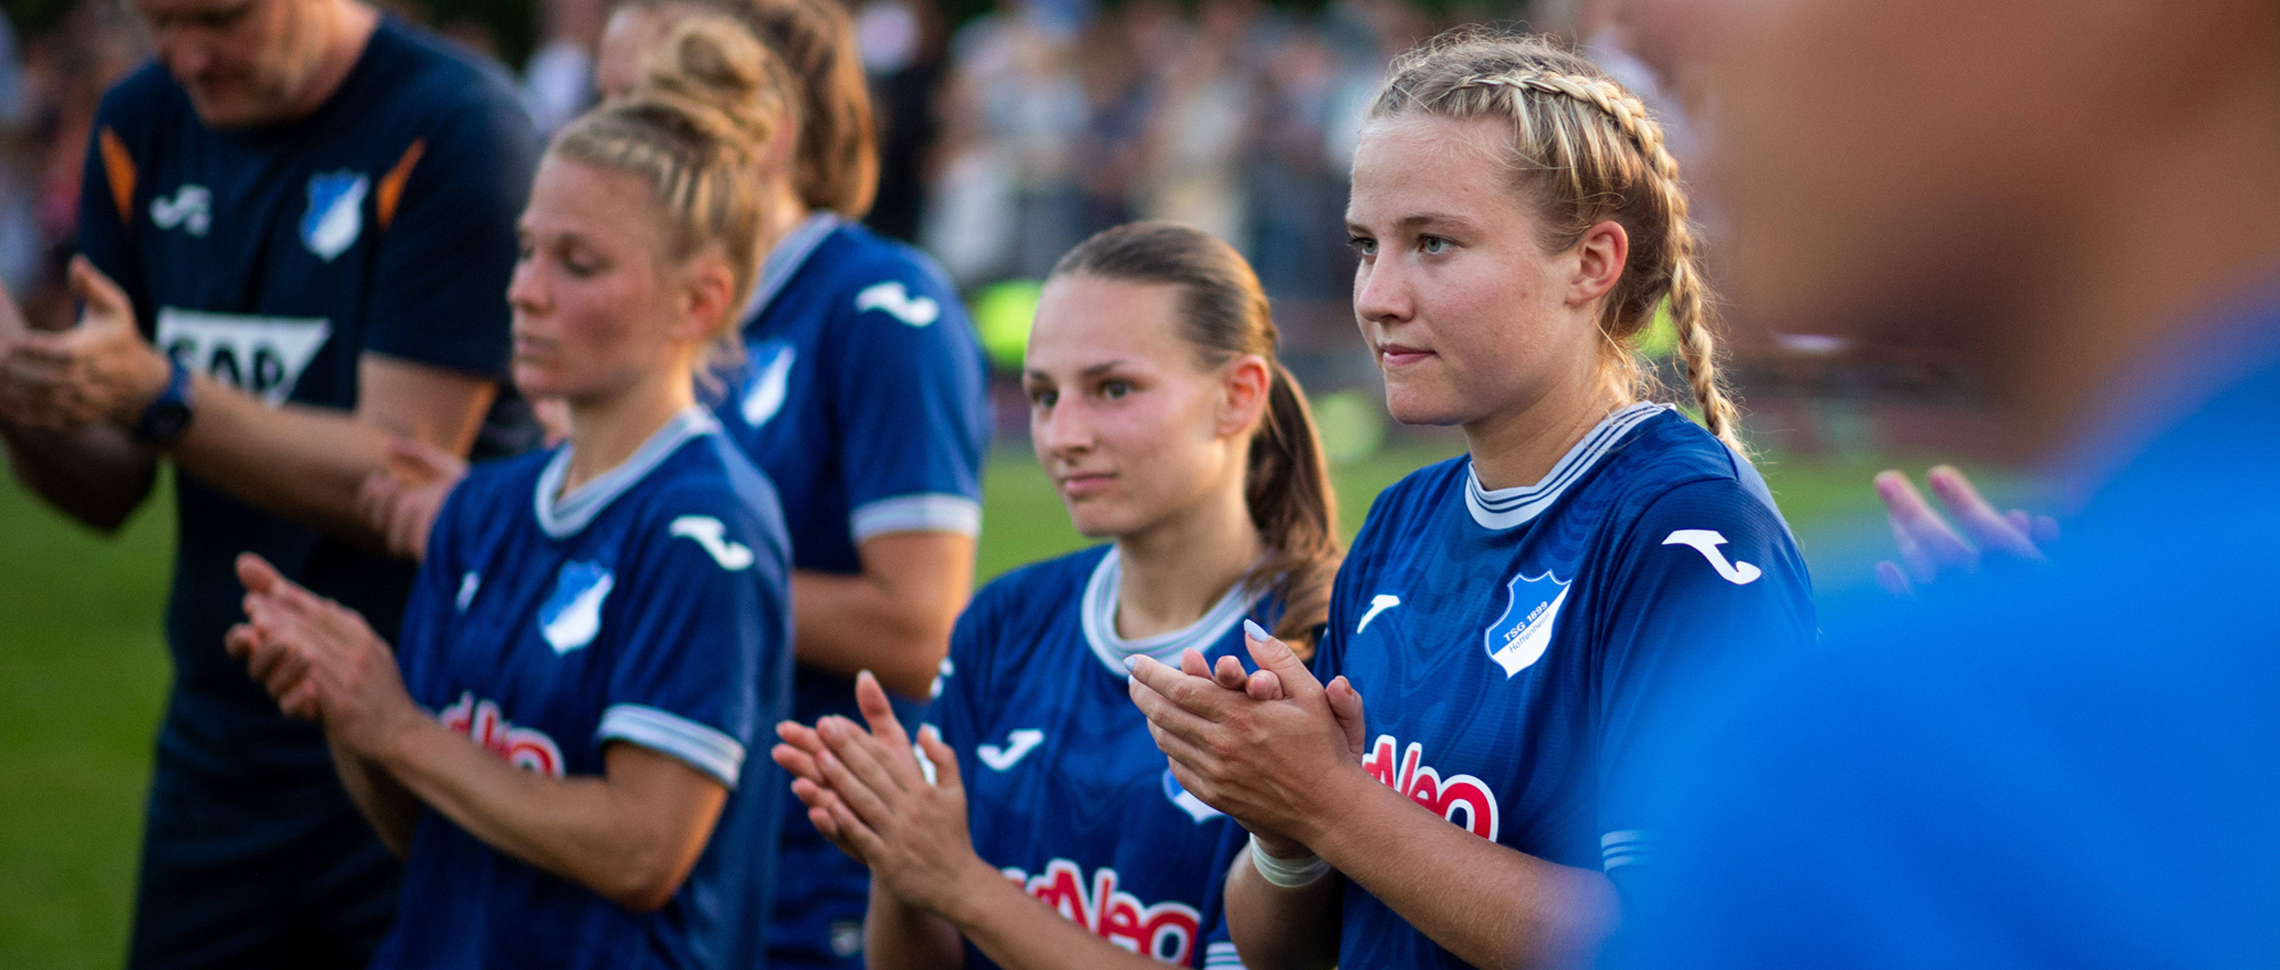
{"type": "Point", "coordinates": [1287, 484]}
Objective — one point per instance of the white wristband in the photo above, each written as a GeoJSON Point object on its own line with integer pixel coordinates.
{"type": "Point", "coordinates": [1287, 873]}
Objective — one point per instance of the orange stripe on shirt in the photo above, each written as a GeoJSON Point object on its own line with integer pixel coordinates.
{"type": "Point", "coordinates": [392, 184]}
{"type": "Point", "coordinates": [119, 168]}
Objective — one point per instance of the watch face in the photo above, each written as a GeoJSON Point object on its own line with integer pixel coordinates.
{"type": "Point", "coordinates": [167, 422]}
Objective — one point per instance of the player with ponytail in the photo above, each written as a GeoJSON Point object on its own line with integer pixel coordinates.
{"type": "Point", "coordinates": [1513, 616]}
{"type": "Point", "coordinates": [1167, 425]}
{"type": "Point", "coordinates": [557, 743]}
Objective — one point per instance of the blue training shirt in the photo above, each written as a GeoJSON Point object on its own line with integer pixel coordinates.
{"type": "Point", "coordinates": [1066, 792]}
{"type": "Point", "coordinates": [2073, 765]}
{"type": "Point", "coordinates": [864, 396]}
{"type": "Point", "coordinates": [1511, 646]}
{"type": "Point", "coordinates": [272, 259]}
{"type": "Point", "coordinates": [650, 607]}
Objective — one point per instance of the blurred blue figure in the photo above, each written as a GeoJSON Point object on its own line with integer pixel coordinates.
{"type": "Point", "coordinates": [2066, 765]}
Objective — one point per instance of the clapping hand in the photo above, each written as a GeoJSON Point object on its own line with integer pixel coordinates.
{"type": "Point", "coordinates": [101, 369]}
{"type": "Point", "coordinates": [319, 660]}
{"type": "Point", "coordinates": [401, 503]}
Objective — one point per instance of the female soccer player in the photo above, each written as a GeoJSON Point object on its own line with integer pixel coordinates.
{"type": "Point", "coordinates": [863, 395]}
{"type": "Point", "coordinates": [598, 629]}
{"type": "Point", "coordinates": [1053, 835]}
{"type": "Point", "coordinates": [1511, 615]}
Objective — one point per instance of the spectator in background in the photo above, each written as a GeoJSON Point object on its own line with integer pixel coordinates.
{"type": "Point", "coordinates": [558, 80]}
{"type": "Point", "coordinates": [904, 47]}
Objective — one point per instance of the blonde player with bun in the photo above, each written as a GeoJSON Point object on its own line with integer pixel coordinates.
{"type": "Point", "coordinates": [1512, 617]}
{"type": "Point", "coordinates": [599, 630]}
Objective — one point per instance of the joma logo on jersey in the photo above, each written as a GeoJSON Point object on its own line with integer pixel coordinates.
{"type": "Point", "coordinates": [1165, 931]}
{"type": "Point", "coordinates": [526, 748]}
{"type": "Point", "coordinates": [263, 356]}
{"type": "Point", "coordinates": [1450, 798]}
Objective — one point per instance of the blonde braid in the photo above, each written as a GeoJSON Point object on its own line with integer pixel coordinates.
{"type": "Point", "coordinates": [1689, 305]}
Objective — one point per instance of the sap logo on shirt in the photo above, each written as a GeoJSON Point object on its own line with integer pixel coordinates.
{"type": "Point", "coordinates": [1187, 802]}
{"type": "Point", "coordinates": [336, 213]}
{"type": "Point", "coordinates": [1018, 744]}
{"type": "Point", "coordinates": [1706, 542]}
{"type": "Point", "coordinates": [526, 748]}
{"type": "Point", "coordinates": [895, 298]}
{"type": "Point", "coordinates": [708, 532]}
{"type": "Point", "coordinates": [1519, 637]}
{"type": "Point", "coordinates": [1447, 797]}
{"type": "Point", "coordinates": [573, 615]}
{"type": "Point", "coordinates": [1166, 931]}
{"type": "Point", "coordinates": [192, 208]}
{"type": "Point", "coordinates": [771, 375]}
{"type": "Point", "coordinates": [263, 356]}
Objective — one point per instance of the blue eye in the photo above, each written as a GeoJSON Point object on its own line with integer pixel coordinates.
{"type": "Point", "coordinates": [1115, 389]}
{"type": "Point", "coordinates": [1432, 245]}
{"type": "Point", "coordinates": [1363, 245]}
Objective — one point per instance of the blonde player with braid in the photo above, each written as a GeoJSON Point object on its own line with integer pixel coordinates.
{"type": "Point", "coordinates": [1511, 617]}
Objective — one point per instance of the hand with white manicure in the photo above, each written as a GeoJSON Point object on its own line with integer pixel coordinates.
{"type": "Point", "coordinates": [1256, 746]}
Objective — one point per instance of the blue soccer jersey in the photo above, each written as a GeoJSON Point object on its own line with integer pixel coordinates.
{"type": "Point", "coordinates": [273, 259]}
{"type": "Point", "coordinates": [864, 396]}
{"type": "Point", "coordinates": [649, 607]}
{"type": "Point", "coordinates": [1067, 793]}
{"type": "Point", "coordinates": [1510, 646]}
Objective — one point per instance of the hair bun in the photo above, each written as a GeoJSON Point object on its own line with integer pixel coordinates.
{"type": "Point", "coordinates": [713, 77]}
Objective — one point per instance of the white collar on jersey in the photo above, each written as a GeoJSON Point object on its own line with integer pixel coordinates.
{"type": "Point", "coordinates": [1098, 611]}
{"type": "Point", "coordinates": [1505, 508]}
{"type": "Point", "coordinates": [567, 516]}
{"type": "Point", "coordinates": [789, 254]}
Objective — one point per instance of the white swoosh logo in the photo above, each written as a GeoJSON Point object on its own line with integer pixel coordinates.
{"type": "Point", "coordinates": [1018, 744]}
{"type": "Point", "coordinates": [766, 396]}
{"type": "Point", "coordinates": [892, 297]}
{"type": "Point", "coordinates": [707, 531]}
{"type": "Point", "coordinates": [1706, 542]}
{"type": "Point", "coordinates": [1378, 604]}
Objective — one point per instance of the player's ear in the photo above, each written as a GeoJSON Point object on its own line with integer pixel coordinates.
{"type": "Point", "coordinates": [1244, 382]}
{"type": "Point", "coordinates": [708, 289]}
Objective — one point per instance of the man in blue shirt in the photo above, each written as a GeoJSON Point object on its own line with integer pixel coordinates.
{"type": "Point", "coordinates": [2071, 765]}
{"type": "Point", "coordinates": [309, 208]}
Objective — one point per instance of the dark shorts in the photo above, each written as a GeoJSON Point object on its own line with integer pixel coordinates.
{"type": "Point", "coordinates": [254, 875]}
{"type": "Point", "coordinates": [820, 901]}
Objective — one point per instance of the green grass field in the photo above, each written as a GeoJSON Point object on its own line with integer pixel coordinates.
{"type": "Point", "coordinates": [83, 673]}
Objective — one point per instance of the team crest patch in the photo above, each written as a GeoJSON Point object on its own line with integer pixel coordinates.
{"type": "Point", "coordinates": [1519, 637]}
{"type": "Point", "coordinates": [336, 213]}
{"type": "Point", "coordinates": [573, 615]}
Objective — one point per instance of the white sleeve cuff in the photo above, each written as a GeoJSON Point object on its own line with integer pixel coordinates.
{"type": "Point", "coordinates": [705, 749]}
{"type": "Point", "coordinates": [922, 512]}
{"type": "Point", "coordinates": [1622, 848]}
{"type": "Point", "coordinates": [1221, 956]}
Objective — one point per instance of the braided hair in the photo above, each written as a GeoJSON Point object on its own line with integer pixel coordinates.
{"type": "Point", "coordinates": [1584, 149]}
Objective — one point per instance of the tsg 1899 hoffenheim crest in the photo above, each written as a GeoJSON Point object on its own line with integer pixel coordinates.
{"type": "Point", "coordinates": [1519, 637]}
{"type": "Point", "coordinates": [336, 213]}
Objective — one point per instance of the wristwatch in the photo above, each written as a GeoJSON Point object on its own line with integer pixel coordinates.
{"type": "Point", "coordinates": [167, 417]}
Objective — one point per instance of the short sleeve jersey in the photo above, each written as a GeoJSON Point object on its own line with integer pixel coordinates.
{"type": "Point", "coordinates": [1066, 792]}
{"type": "Point", "coordinates": [272, 259]}
{"type": "Point", "coordinates": [650, 607]}
{"type": "Point", "coordinates": [1512, 645]}
{"type": "Point", "coordinates": [864, 396]}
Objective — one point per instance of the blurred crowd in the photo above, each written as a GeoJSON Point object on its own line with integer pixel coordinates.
{"type": "Point", "coordinates": [1008, 137]}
